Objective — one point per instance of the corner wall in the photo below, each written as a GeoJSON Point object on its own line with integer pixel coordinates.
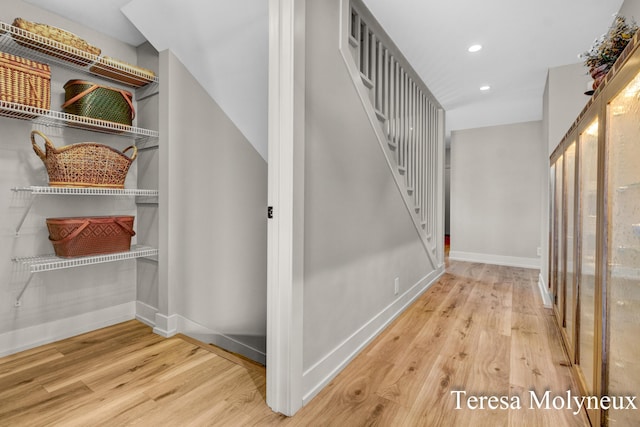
{"type": "Point", "coordinates": [213, 197]}
{"type": "Point", "coordinates": [495, 194]}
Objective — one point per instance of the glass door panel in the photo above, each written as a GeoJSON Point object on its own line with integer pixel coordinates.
{"type": "Point", "coordinates": [588, 154]}
{"type": "Point", "coordinates": [623, 251]}
{"type": "Point", "coordinates": [570, 179]}
{"type": "Point", "coordinates": [558, 297]}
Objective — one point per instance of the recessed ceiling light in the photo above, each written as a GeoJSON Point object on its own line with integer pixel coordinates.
{"type": "Point", "coordinates": [485, 88]}
{"type": "Point", "coordinates": [475, 48]}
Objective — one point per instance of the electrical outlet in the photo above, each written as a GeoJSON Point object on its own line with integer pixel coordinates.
{"type": "Point", "coordinates": [396, 286]}
{"type": "Point", "coordinates": [539, 251]}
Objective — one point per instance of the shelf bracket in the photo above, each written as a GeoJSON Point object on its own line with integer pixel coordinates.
{"type": "Point", "coordinates": [24, 215]}
{"type": "Point", "coordinates": [18, 302]}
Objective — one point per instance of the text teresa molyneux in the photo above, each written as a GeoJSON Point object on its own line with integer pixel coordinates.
{"type": "Point", "coordinates": [546, 400]}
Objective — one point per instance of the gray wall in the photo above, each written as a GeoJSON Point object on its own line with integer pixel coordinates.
{"type": "Point", "coordinates": [66, 302]}
{"type": "Point", "coordinates": [358, 235]}
{"type": "Point", "coordinates": [495, 194]}
{"type": "Point", "coordinates": [563, 100]}
{"type": "Point", "coordinates": [215, 184]}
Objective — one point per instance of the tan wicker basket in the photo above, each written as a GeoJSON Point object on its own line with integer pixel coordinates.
{"type": "Point", "coordinates": [100, 102]}
{"type": "Point", "coordinates": [123, 72]}
{"type": "Point", "coordinates": [85, 164]}
{"type": "Point", "coordinates": [24, 81]}
{"type": "Point", "coordinates": [72, 237]}
{"type": "Point", "coordinates": [55, 42]}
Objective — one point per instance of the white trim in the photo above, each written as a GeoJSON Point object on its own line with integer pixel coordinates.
{"type": "Point", "coordinates": [285, 231]}
{"type": "Point", "coordinates": [182, 325]}
{"type": "Point", "coordinates": [166, 326]}
{"type": "Point", "coordinates": [544, 292]}
{"type": "Point", "coordinates": [209, 336]}
{"type": "Point", "coordinates": [325, 370]}
{"type": "Point", "coordinates": [146, 314]}
{"type": "Point", "coordinates": [510, 261]}
{"type": "Point", "coordinates": [56, 330]}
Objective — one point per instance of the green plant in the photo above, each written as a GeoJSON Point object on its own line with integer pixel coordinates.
{"type": "Point", "coordinates": [609, 46]}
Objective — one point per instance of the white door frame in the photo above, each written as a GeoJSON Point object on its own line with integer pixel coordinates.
{"type": "Point", "coordinates": [285, 231]}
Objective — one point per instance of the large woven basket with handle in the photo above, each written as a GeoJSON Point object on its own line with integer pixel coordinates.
{"type": "Point", "coordinates": [100, 102]}
{"type": "Point", "coordinates": [79, 236]}
{"type": "Point", "coordinates": [86, 164]}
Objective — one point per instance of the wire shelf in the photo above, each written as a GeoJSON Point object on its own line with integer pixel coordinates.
{"type": "Point", "coordinates": [37, 264]}
{"type": "Point", "coordinates": [60, 119]}
{"type": "Point", "coordinates": [77, 191]}
{"type": "Point", "coordinates": [48, 50]}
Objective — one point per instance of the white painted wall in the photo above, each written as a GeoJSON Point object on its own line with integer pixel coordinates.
{"type": "Point", "coordinates": [213, 211]}
{"type": "Point", "coordinates": [563, 100]}
{"type": "Point", "coordinates": [358, 235]}
{"type": "Point", "coordinates": [224, 45]}
{"type": "Point", "coordinates": [495, 194]}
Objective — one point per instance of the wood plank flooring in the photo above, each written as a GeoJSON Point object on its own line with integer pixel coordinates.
{"type": "Point", "coordinates": [481, 329]}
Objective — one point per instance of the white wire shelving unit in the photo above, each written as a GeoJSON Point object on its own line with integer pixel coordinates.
{"type": "Point", "coordinates": [86, 191]}
{"type": "Point", "coordinates": [17, 41]}
{"type": "Point", "coordinates": [49, 262]}
{"type": "Point", "coordinates": [46, 50]}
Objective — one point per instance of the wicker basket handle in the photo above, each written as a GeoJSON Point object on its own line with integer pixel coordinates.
{"type": "Point", "coordinates": [73, 235]}
{"type": "Point", "coordinates": [47, 143]}
{"type": "Point", "coordinates": [125, 227]}
{"type": "Point", "coordinates": [85, 92]}
{"type": "Point", "coordinates": [135, 152]}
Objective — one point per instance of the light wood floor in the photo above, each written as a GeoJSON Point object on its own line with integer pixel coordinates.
{"type": "Point", "coordinates": [480, 329]}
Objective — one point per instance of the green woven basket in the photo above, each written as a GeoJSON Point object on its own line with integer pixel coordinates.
{"type": "Point", "coordinates": [89, 99]}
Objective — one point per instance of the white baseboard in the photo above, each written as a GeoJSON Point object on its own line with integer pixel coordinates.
{"type": "Point", "coordinates": [166, 326]}
{"type": "Point", "coordinates": [320, 374]}
{"type": "Point", "coordinates": [45, 333]}
{"type": "Point", "coordinates": [210, 336]}
{"type": "Point", "coordinates": [510, 261]}
{"type": "Point", "coordinates": [174, 324]}
{"type": "Point", "coordinates": [146, 314]}
{"type": "Point", "coordinates": [544, 292]}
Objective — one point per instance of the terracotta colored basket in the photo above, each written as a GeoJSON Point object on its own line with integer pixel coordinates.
{"type": "Point", "coordinates": [78, 236]}
{"type": "Point", "coordinates": [23, 81]}
{"type": "Point", "coordinates": [85, 164]}
{"type": "Point", "coordinates": [89, 99]}
{"type": "Point", "coordinates": [55, 42]}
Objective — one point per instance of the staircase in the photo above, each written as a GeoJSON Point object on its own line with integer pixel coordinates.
{"type": "Point", "coordinates": [408, 119]}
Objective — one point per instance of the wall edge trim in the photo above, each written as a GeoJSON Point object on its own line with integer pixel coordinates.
{"type": "Point", "coordinates": [45, 333]}
{"type": "Point", "coordinates": [322, 372]}
{"type": "Point", "coordinates": [509, 261]}
{"type": "Point", "coordinates": [546, 296]}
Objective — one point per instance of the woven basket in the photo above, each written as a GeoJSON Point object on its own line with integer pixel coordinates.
{"type": "Point", "coordinates": [72, 237]}
{"type": "Point", "coordinates": [123, 72]}
{"type": "Point", "coordinates": [24, 81]}
{"type": "Point", "coordinates": [85, 164]}
{"type": "Point", "coordinates": [55, 42]}
{"type": "Point", "coordinates": [92, 100]}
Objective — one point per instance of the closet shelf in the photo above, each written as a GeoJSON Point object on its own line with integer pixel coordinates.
{"type": "Point", "coordinates": [60, 119]}
{"type": "Point", "coordinates": [50, 51]}
{"type": "Point", "coordinates": [37, 264]}
{"type": "Point", "coordinates": [87, 191]}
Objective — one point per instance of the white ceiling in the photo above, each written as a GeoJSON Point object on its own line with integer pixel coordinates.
{"type": "Point", "coordinates": [521, 41]}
